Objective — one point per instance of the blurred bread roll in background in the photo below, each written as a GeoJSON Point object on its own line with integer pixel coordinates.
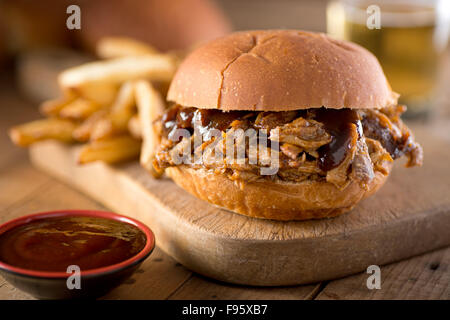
{"type": "Point", "coordinates": [166, 25]}
{"type": "Point", "coordinates": [30, 25]}
{"type": "Point", "coordinates": [36, 35]}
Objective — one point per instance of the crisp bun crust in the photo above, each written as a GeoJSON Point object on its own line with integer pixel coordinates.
{"type": "Point", "coordinates": [280, 70]}
{"type": "Point", "coordinates": [273, 200]}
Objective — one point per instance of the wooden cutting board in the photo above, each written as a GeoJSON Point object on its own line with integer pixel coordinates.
{"type": "Point", "coordinates": [408, 216]}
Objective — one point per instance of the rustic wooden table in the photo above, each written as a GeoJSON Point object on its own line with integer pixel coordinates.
{"type": "Point", "coordinates": [24, 190]}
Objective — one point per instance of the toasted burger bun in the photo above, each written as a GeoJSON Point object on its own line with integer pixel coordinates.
{"type": "Point", "coordinates": [274, 200]}
{"type": "Point", "coordinates": [280, 71]}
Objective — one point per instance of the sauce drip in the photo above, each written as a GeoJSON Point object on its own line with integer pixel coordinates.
{"type": "Point", "coordinates": [203, 120]}
{"type": "Point", "coordinates": [52, 244]}
{"type": "Point", "coordinates": [339, 124]}
{"type": "Point", "coordinates": [374, 129]}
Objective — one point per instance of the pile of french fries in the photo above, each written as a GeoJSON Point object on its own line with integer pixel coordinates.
{"type": "Point", "coordinates": [107, 104]}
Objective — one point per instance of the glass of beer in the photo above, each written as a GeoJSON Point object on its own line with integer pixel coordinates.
{"type": "Point", "coordinates": [408, 37]}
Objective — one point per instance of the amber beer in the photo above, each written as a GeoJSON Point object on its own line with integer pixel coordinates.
{"type": "Point", "coordinates": [409, 42]}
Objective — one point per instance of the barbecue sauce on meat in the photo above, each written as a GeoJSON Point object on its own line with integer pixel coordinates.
{"type": "Point", "coordinates": [178, 117]}
{"type": "Point", "coordinates": [206, 119]}
{"type": "Point", "coordinates": [339, 124]}
{"type": "Point", "coordinates": [373, 128]}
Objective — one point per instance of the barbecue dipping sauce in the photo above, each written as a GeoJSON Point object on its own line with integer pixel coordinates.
{"type": "Point", "coordinates": [52, 244]}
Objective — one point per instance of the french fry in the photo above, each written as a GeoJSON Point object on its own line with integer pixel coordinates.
{"type": "Point", "coordinates": [150, 106]}
{"type": "Point", "coordinates": [111, 150]}
{"type": "Point", "coordinates": [79, 109]}
{"type": "Point", "coordinates": [101, 93]}
{"type": "Point", "coordinates": [158, 67]}
{"type": "Point", "coordinates": [52, 108]}
{"type": "Point", "coordinates": [83, 132]}
{"type": "Point", "coordinates": [114, 47]}
{"type": "Point", "coordinates": [134, 127]}
{"type": "Point", "coordinates": [109, 104]}
{"type": "Point", "coordinates": [52, 128]}
{"type": "Point", "coordinates": [116, 122]}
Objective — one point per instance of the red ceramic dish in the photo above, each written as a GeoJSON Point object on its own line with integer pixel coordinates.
{"type": "Point", "coordinates": [122, 269]}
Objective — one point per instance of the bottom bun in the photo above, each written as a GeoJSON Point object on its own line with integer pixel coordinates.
{"type": "Point", "coordinates": [273, 200]}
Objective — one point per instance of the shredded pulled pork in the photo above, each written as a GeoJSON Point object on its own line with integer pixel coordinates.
{"type": "Point", "coordinates": [337, 146]}
{"type": "Point", "coordinates": [307, 134]}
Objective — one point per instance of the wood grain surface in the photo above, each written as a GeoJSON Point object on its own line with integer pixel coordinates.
{"type": "Point", "coordinates": [410, 215]}
{"type": "Point", "coordinates": [24, 190]}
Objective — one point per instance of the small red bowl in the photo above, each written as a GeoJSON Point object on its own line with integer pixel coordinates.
{"type": "Point", "coordinates": [94, 282]}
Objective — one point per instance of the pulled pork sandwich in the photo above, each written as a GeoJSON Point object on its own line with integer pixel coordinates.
{"type": "Point", "coordinates": [323, 107]}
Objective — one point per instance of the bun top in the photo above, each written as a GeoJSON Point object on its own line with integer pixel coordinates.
{"type": "Point", "coordinates": [280, 70]}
